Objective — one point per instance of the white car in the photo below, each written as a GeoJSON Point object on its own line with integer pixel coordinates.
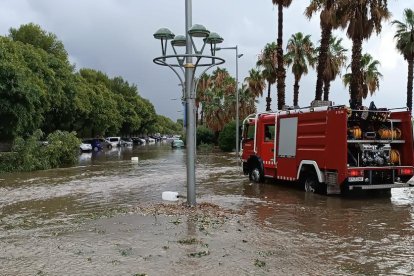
{"type": "Point", "coordinates": [114, 141]}
{"type": "Point", "coordinates": [85, 147]}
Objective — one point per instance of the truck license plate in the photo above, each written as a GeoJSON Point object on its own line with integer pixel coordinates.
{"type": "Point", "coordinates": [355, 179]}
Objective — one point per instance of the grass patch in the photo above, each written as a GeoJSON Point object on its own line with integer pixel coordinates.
{"type": "Point", "coordinates": [189, 241]}
{"type": "Point", "coordinates": [176, 222]}
{"type": "Point", "coordinates": [266, 253]}
{"type": "Point", "coordinates": [259, 263]}
{"type": "Point", "coordinates": [126, 252]}
{"type": "Point", "coordinates": [205, 147]}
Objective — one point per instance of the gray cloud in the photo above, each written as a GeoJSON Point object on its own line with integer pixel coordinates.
{"type": "Point", "coordinates": [116, 37]}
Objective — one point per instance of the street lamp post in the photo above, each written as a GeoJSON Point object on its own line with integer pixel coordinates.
{"type": "Point", "coordinates": [237, 95]}
{"type": "Point", "coordinates": [185, 64]}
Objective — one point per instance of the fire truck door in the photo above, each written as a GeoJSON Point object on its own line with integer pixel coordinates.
{"type": "Point", "coordinates": [267, 147]}
{"type": "Point", "coordinates": [286, 152]}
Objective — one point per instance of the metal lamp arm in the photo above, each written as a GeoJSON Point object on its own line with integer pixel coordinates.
{"type": "Point", "coordinates": [198, 80]}
{"type": "Point", "coordinates": [176, 73]}
{"type": "Point", "coordinates": [180, 61]}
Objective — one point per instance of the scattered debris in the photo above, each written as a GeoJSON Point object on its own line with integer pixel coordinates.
{"type": "Point", "coordinates": [189, 241]}
{"type": "Point", "coordinates": [199, 254]}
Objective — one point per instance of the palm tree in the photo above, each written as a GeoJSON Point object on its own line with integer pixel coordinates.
{"type": "Point", "coordinates": [328, 22]}
{"type": "Point", "coordinates": [214, 112]}
{"type": "Point", "coordinates": [219, 107]}
{"type": "Point", "coordinates": [300, 54]}
{"type": "Point", "coordinates": [204, 83]}
{"type": "Point", "coordinates": [361, 17]}
{"type": "Point", "coordinates": [247, 101]}
{"type": "Point", "coordinates": [256, 83]}
{"type": "Point", "coordinates": [370, 76]}
{"type": "Point", "coordinates": [405, 45]}
{"type": "Point", "coordinates": [267, 62]}
{"type": "Point", "coordinates": [219, 76]}
{"type": "Point", "coordinates": [281, 72]}
{"type": "Point", "coordinates": [336, 59]}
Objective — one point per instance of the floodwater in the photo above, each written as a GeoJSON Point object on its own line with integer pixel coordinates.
{"type": "Point", "coordinates": [83, 221]}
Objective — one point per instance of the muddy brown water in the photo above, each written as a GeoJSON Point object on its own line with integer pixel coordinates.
{"type": "Point", "coordinates": [82, 221]}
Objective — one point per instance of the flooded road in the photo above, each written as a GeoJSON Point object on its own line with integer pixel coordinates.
{"type": "Point", "coordinates": [82, 221]}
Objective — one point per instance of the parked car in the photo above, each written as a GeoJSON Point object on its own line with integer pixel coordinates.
{"type": "Point", "coordinates": [126, 142]}
{"type": "Point", "coordinates": [150, 140]}
{"type": "Point", "coordinates": [177, 144]}
{"type": "Point", "coordinates": [104, 143]}
{"type": "Point", "coordinates": [114, 141]}
{"type": "Point", "coordinates": [95, 143]}
{"type": "Point", "coordinates": [138, 141]}
{"type": "Point", "coordinates": [84, 147]}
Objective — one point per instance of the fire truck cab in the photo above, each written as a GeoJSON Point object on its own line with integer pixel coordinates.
{"type": "Point", "coordinates": [330, 149]}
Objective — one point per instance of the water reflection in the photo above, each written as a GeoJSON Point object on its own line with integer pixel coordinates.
{"type": "Point", "coordinates": [362, 235]}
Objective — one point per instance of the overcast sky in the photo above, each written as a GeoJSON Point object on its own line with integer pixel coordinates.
{"type": "Point", "coordinates": [115, 36]}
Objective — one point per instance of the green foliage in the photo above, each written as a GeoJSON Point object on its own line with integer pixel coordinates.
{"type": "Point", "coordinates": [167, 126]}
{"type": "Point", "coordinates": [60, 149]}
{"type": "Point", "coordinates": [22, 92]}
{"type": "Point", "coordinates": [227, 138]}
{"type": "Point", "coordinates": [39, 89]}
{"type": "Point", "coordinates": [8, 161]}
{"type": "Point", "coordinates": [204, 135]}
{"type": "Point", "coordinates": [114, 106]}
{"type": "Point", "coordinates": [34, 35]}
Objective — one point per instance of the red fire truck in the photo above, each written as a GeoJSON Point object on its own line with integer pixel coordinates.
{"type": "Point", "coordinates": [330, 149]}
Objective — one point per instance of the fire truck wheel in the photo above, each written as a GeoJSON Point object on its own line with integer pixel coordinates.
{"type": "Point", "coordinates": [311, 183]}
{"type": "Point", "coordinates": [255, 174]}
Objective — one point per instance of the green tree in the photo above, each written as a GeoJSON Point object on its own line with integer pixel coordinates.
{"type": "Point", "coordinates": [128, 104]}
{"type": "Point", "coordinates": [267, 63]}
{"type": "Point", "coordinates": [52, 66]}
{"type": "Point", "coordinates": [165, 125]}
{"type": "Point", "coordinates": [362, 18]}
{"type": "Point", "coordinates": [104, 117]}
{"type": "Point", "coordinates": [335, 61]}
{"type": "Point", "coordinates": [22, 92]}
{"type": "Point", "coordinates": [39, 89]}
{"type": "Point", "coordinates": [281, 72]}
{"type": "Point", "coordinates": [405, 45]}
{"type": "Point", "coordinates": [34, 35]}
{"type": "Point", "coordinates": [147, 112]}
{"type": "Point", "coordinates": [300, 55]}
{"type": "Point", "coordinates": [370, 76]}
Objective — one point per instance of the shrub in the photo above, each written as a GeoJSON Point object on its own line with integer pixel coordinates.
{"type": "Point", "coordinates": [8, 161]}
{"type": "Point", "coordinates": [227, 137]}
{"type": "Point", "coordinates": [204, 135]}
{"type": "Point", "coordinates": [61, 149]}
